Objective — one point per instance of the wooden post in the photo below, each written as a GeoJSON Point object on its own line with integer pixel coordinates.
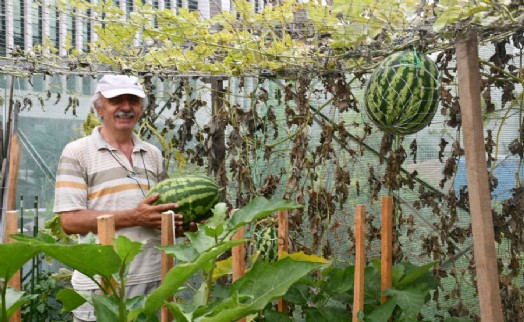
{"type": "Point", "coordinates": [360, 260]}
{"type": "Point", "coordinates": [106, 233]}
{"type": "Point", "coordinates": [167, 262]}
{"type": "Point", "coordinates": [238, 254]}
{"type": "Point", "coordinates": [476, 169]}
{"type": "Point", "coordinates": [106, 229]}
{"type": "Point", "coordinates": [11, 227]}
{"type": "Point", "coordinates": [283, 246]}
{"type": "Point", "coordinates": [15, 154]}
{"type": "Point", "coordinates": [238, 258]}
{"type": "Point", "coordinates": [386, 233]}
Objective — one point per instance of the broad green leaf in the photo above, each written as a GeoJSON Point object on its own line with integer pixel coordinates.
{"type": "Point", "coordinates": [184, 253]}
{"type": "Point", "coordinates": [413, 273]}
{"type": "Point", "coordinates": [134, 307]}
{"type": "Point", "coordinates": [214, 226]}
{"type": "Point", "coordinates": [40, 238]}
{"type": "Point", "coordinates": [106, 307]}
{"type": "Point", "coordinates": [259, 208]}
{"type": "Point", "coordinates": [199, 240]}
{"type": "Point", "coordinates": [126, 249]}
{"type": "Point", "coordinates": [275, 316]}
{"type": "Point", "coordinates": [410, 300]}
{"type": "Point", "coordinates": [13, 256]}
{"type": "Point", "coordinates": [263, 283]}
{"type": "Point", "coordinates": [383, 312]}
{"type": "Point", "coordinates": [326, 314]}
{"type": "Point", "coordinates": [298, 294]}
{"type": "Point", "coordinates": [220, 305]}
{"type": "Point", "coordinates": [70, 299]}
{"type": "Point", "coordinates": [178, 313]}
{"type": "Point", "coordinates": [90, 259]}
{"type": "Point", "coordinates": [339, 280]}
{"type": "Point", "coordinates": [179, 274]}
{"type": "Point", "coordinates": [397, 273]}
{"type": "Point", "coordinates": [14, 300]}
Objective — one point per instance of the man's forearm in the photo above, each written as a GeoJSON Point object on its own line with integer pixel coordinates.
{"type": "Point", "coordinates": [85, 221]}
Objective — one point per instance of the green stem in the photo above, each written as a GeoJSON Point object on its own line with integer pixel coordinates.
{"type": "Point", "coordinates": [3, 289]}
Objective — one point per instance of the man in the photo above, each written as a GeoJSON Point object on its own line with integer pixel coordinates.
{"type": "Point", "coordinates": [110, 172]}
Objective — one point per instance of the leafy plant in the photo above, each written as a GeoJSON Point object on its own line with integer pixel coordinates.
{"type": "Point", "coordinates": [44, 306]}
{"type": "Point", "coordinates": [12, 257]}
{"type": "Point", "coordinates": [106, 266]}
{"type": "Point", "coordinates": [328, 296]}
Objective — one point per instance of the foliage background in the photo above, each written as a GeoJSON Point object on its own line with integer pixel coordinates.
{"type": "Point", "coordinates": [270, 103]}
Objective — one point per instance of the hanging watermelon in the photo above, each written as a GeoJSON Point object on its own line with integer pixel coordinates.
{"type": "Point", "coordinates": [403, 93]}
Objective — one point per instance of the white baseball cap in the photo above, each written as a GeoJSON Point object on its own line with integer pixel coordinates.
{"type": "Point", "coordinates": [114, 85]}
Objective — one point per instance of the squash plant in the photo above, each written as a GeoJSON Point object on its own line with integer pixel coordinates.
{"type": "Point", "coordinates": [106, 265]}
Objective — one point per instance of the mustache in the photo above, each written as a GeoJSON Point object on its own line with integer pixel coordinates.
{"type": "Point", "coordinates": [124, 114]}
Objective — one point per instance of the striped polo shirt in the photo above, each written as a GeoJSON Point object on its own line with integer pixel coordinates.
{"type": "Point", "coordinates": [94, 175]}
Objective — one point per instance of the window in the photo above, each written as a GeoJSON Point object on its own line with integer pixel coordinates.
{"type": "Point", "coordinates": [3, 41]}
{"type": "Point", "coordinates": [18, 23]}
{"type": "Point", "coordinates": [37, 24]}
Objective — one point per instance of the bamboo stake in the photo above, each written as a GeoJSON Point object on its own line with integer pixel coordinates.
{"type": "Point", "coordinates": [106, 231]}
{"type": "Point", "coordinates": [476, 169]}
{"type": "Point", "coordinates": [11, 227]}
{"type": "Point", "coordinates": [238, 258]}
{"type": "Point", "coordinates": [283, 246]}
{"type": "Point", "coordinates": [167, 262]}
{"type": "Point", "coordinates": [386, 262]}
{"type": "Point", "coordinates": [360, 260]}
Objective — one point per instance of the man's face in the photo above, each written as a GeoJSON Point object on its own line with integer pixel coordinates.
{"type": "Point", "coordinates": [121, 112]}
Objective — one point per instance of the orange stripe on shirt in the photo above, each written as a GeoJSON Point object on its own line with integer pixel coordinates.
{"type": "Point", "coordinates": [115, 189]}
{"type": "Point", "coordinates": [70, 184]}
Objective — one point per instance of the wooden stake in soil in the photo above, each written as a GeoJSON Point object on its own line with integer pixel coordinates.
{"type": "Point", "coordinates": [11, 227]}
{"type": "Point", "coordinates": [283, 246]}
{"type": "Point", "coordinates": [238, 258]}
{"type": "Point", "coordinates": [476, 169]}
{"type": "Point", "coordinates": [106, 233]}
{"type": "Point", "coordinates": [238, 254]}
{"type": "Point", "coordinates": [386, 261]}
{"type": "Point", "coordinates": [15, 154]}
{"type": "Point", "coordinates": [106, 229]}
{"type": "Point", "coordinates": [360, 260]}
{"type": "Point", "coordinates": [167, 262]}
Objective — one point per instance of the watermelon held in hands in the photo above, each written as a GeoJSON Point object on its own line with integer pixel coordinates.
{"type": "Point", "coordinates": [403, 93]}
{"type": "Point", "coordinates": [196, 195]}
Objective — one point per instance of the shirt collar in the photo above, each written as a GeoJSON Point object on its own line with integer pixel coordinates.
{"type": "Point", "coordinates": [139, 145]}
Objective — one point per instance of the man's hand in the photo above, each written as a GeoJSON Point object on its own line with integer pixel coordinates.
{"type": "Point", "coordinates": [181, 228]}
{"type": "Point", "coordinates": [148, 215]}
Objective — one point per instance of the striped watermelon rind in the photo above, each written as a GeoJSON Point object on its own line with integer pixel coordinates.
{"type": "Point", "coordinates": [195, 195]}
{"type": "Point", "coordinates": [266, 243]}
{"type": "Point", "coordinates": [403, 93]}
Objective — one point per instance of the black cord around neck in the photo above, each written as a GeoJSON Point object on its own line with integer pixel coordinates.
{"type": "Point", "coordinates": [132, 174]}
